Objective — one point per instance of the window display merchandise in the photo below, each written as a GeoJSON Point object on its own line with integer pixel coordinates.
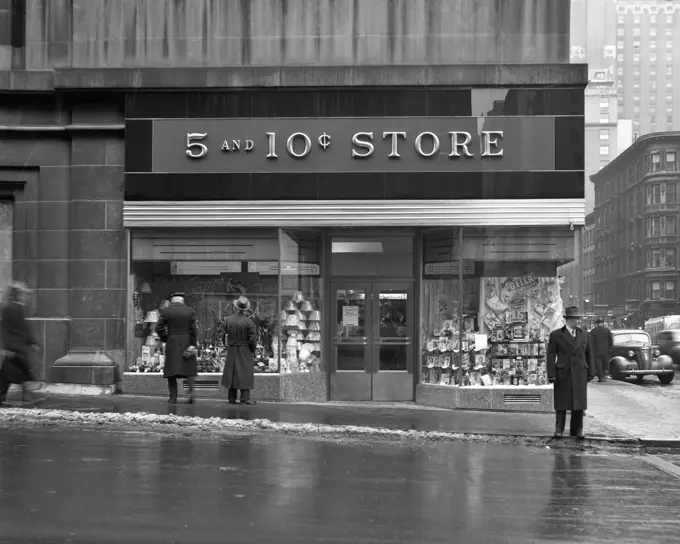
{"type": "Point", "coordinates": [502, 336]}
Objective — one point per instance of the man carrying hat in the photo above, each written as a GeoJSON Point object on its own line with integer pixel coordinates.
{"type": "Point", "coordinates": [602, 342]}
{"type": "Point", "coordinates": [570, 368]}
{"type": "Point", "coordinates": [239, 369]}
{"type": "Point", "coordinates": [177, 328]}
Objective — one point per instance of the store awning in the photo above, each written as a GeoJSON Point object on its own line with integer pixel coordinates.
{"type": "Point", "coordinates": [276, 213]}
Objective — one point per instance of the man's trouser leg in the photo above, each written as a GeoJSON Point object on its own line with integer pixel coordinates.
{"type": "Point", "coordinates": [232, 394]}
{"type": "Point", "coordinates": [560, 421]}
{"type": "Point", "coordinates": [576, 423]}
{"type": "Point", "coordinates": [172, 389]}
{"type": "Point", "coordinates": [191, 380]}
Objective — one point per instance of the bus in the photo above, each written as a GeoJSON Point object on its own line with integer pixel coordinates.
{"type": "Point", "coordinates": [657, 324]}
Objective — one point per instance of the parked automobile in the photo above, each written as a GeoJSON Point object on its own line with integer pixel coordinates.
{"type": "Point", "coordinates": [668, 343]}
{"type": "Point", "coordinates": [634, 355]}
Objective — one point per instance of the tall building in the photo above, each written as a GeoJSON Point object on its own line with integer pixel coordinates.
{"type": "Point", "coordinates": [647, 74]}
{"type": "Point", "coordinates": [588, 265]}
{"type": "Point", "coordinates": [636, 232]}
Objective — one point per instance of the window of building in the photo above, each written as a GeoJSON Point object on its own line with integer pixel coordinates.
{"type": "Point", "coordinates": [620, 45]}
{"type": "Point", "coordinates": [636, 99]}
{"type": "Point", "coordinates": [669, 45]}
{"type": "Point", "coordinates": [656, 161]}
{"type": "Point", "coordinates": [670, 161]}
{"type": "Point", "coordinates": [656, 290]}
{"type": "Point", "coordinates": [653, 226]}
{"type": "Point", "coordinates": [669, 18]}
{"type": "Point", "coordinates": [671, 257]}
{"type": "Point", "coordinates": [669, 71]}
{"type": "Point", "coordinates": [652, 57]}
{"type": "Point", "coordinates": [669, 85]}
{"type": "Point", "coordinates": [652, 73]}
{"type": "Point", "coordinates": [669, 119]}
{"type": "Point", "coordinates": [604, 103]}
{"type": "Point", "coordinates": [619, 71]}
{"type": "Point", "coordinates": [652, 99]}
{"type": "Point", "coordinates": [636, 19]}
{"type": "Point", "coordinates": [655, 261]}
{"type": "Point", "coordinates": [670, 289]}
{"type": "Point", "coordinates": [603, 164]}
{"type": "Point", "coordinates": [604, 150]}
{"type": "Point", "coordinates": [652, 18]}
{"type": "Point", "coordinates": [636, 32]}
{"type": "Point", "coordinates": [619, 32]}
{"type": "Point", "coordinates": [621, 19]}
{"type": "Point", "coordinates": [671, 193]}
{"type": "Point", "coordinates": [604, 134]}
{"type": "Point", "coordinates": [636, 57]}
{"type": "Point", "coordinates": [604, 120]}
{"type": "Point", "coordinates": [669, 33]}
{"type": "Point", "coordinates": [667, 225]}
{"type": "Point", "coordinates": [652, 32]}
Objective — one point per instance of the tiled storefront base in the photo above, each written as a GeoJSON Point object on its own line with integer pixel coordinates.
{"type": "Point", "coordinates": [310, 387]}
{"type": "Point", "coordinates": [512, 398]}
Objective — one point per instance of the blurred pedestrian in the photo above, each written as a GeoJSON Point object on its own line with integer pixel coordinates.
{"type": "Point", "coordinates": [239, 372]}
{"type": "Point", "coordinates": [601, 341]}
{"type": "Point", "coordinates": [570, 368]}
{"type": "Point", "coordinates": [177, 328]}
{"type": "Point", "coordinates": [18, 343]}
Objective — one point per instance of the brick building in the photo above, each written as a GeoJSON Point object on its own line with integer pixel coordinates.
{"type": "Point", "coordinates": [636, 229]}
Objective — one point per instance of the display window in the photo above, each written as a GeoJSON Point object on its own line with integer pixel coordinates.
{"type": "Point", "coordinates": [279, 270]}
{"type": "Point", "coordinates": [489, 300]}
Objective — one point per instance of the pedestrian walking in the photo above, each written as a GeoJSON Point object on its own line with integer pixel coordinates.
{"type": "Point", "coordinates": [570, 368]}
{"type": "Point", "coordinates": [601, 340]}
{"type": "Point", "coordinates": [239, 372]}
{"type": "Point", "coordinates": [18, 344]}
{"type": "Point", "coordinates": [177, 328]}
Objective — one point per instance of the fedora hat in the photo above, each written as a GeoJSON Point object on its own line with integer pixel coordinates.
{"type": "Point", "coordinates": [242, 303]}
{"type": "Point", "coordinates": [572, 311]}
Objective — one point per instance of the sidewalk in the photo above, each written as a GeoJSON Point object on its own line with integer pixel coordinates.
{"type": "Point", "coordinates": [395, 417]}
{"type": "Point", "coordinates": [650, 414]}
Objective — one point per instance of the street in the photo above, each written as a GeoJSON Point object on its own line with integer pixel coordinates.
{"type": "Point", "coordinates": [98, 486]}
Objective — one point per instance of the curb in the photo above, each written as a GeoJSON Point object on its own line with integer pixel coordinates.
{"type": "Point", "coordinates": [71, 389]}
{"type": "Point", "coordinates": [154, 422]}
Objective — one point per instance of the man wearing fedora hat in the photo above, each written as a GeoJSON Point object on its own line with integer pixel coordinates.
{"type": "Point", "coordinates": [570, 368]}
{"type": "Point", "coordinates": [239, 370]}
{"type": "Point", "coordinates": [177, 328]}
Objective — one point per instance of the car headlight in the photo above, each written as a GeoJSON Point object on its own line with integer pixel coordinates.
{"type": "Point", "coordinates": [656, 353]}
{"type": "Point", "coordinates": [631, 353]}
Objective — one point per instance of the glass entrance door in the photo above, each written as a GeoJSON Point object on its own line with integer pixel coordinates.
{"type": "Point", "coordinates": [372, 341]}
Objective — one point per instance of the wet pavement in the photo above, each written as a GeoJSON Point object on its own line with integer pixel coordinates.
{"type": "Point", "coordinates": [389, 416]}
{"type": "Point", "coordinates": [84, 487]}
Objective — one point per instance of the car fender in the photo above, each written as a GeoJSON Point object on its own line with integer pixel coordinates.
{"type": "Point", "coordinates": [622, 363]}
{"type": "Point", "coordinates": [663, 362]}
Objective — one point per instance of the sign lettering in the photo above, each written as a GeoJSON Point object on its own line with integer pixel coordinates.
{"type": "Point", "coordinates": [391, 144]}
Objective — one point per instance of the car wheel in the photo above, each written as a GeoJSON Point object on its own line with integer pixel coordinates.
{"type": "Point", "coordinates": [666, 378]}
{"type": "Point", "coordinates": [614, 371]}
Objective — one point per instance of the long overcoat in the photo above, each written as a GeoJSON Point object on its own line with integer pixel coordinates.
{"type": "Point", "coordinates": [16, 339]}
{"type": "Point", "coordinates": [177, 328]}
{"type": "Point", "coordinates": [570, 363]}
{"type": "Point", "coordinates": [601, 341]}
{"type": "Point", "coordinates": [239, 371]}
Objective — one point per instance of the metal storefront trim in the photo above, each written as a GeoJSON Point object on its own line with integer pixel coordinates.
{"type": "Point", "coordinates": [511, 212]}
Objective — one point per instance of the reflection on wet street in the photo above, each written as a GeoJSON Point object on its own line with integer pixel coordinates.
{"type": "Point", "coordinates": [79, 486]}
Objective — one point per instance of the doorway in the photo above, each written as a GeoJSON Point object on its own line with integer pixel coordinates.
{"type": "Point", "coordinates": [372, 330]}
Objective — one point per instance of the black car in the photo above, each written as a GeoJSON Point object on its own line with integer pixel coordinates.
{"type": "Point", "coordinates": [634, 355]}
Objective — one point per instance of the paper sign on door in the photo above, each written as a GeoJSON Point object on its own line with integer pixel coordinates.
{"type": "Point", "coordinates": [350, 316]}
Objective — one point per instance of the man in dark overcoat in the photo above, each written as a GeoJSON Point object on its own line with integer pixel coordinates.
{"type": "Point", "coordinates": [17, 341]}
{"type": "Point", "coordinates": [570, 368]}
{"type": "Point", "coordinates": [601, 341]}
{"type": "Point", "coordinates": [239, 370]}
{"type": "Point", "coordinates": [177, 328]}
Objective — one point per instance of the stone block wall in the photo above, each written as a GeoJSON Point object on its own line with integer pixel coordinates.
{"type": "Point", "coordinates": [125, 33]}
{"type": "Point", "coordinates": [69, 242]}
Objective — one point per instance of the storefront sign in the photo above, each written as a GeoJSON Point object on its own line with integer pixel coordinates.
{"type": "Point", "coordinates": [455, 144]}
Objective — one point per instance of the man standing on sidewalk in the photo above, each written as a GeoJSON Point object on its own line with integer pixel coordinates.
{"type": "Point", "coordinates": [177, 328]}
{"type": "Point", "coordinates": [570, 368]}
{"type": "Point", "coordinates": [601, 341]}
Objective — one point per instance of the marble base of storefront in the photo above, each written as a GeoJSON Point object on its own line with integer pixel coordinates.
{"type": "Point", "coordinates": [512, 398]}
{"type": "Point", "coordinates": [303, 387]}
